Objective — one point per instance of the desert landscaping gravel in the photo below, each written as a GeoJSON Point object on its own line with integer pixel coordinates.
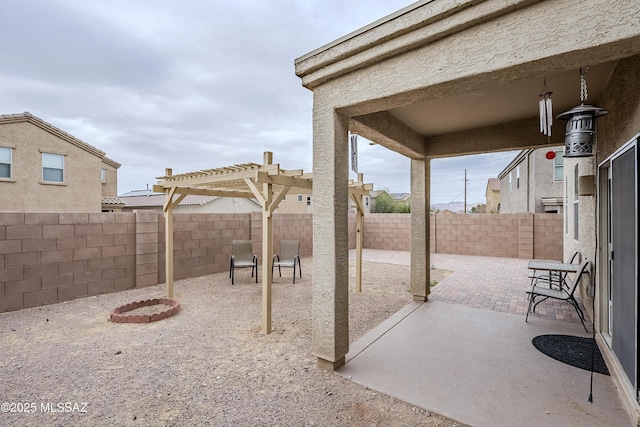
{"type": "Point", "coordinates": [65, 364]}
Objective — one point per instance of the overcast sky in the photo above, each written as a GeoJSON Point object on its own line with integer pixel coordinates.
{"type": "Point", "coordinates": [195, 84]}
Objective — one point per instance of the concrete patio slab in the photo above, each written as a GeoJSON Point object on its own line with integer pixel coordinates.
{"type": "Point", "coordinates": [480, 368]}
{"type": "Point", "coordinates": [476, 364]}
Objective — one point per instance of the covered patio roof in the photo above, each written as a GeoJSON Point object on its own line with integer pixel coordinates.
{"type": "Point", "coordinates": [267, 183]}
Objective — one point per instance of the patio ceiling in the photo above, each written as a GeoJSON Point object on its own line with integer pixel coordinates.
{"type": "Point", "coordinates": [505, 103]}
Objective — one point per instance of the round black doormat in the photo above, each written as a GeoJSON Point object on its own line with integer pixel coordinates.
{"type": "Point", "coordinates": [572, 350]}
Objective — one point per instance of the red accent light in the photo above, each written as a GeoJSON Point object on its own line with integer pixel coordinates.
{"type": "Point", "coordinates": [550, 155]}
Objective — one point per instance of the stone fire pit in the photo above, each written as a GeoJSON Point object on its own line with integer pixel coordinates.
{"type": "Point", "coordinates": [124, 314]}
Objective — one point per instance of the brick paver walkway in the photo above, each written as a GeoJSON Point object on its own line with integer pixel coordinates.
{"type": "Point", "coordinates": [491, 283]}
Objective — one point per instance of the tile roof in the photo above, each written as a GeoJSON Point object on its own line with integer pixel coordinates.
{"type": "Point", "coordinates": [494, 184]}
{"type": "Point", "coordinates": [157, 199]}
{"type": "Point", "coordinates": [112, 201]}
{"type": "Point", "coordinates": [28, 117]}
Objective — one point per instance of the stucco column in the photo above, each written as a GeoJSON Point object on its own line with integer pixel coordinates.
{"type": "Point", "coordinates": [420, 249]}
{"type": "Point", "coordinates": [330, 300]}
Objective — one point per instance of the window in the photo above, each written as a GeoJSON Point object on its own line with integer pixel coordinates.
{"type": "Point", "coordinates": [308, 200]}
{"type": "Point", "coordinates": [299, 197]}
{"type": "Point", "coordinates": [510, 181]}
{"type": "Point", "coordinates": [52, 167]}
{"type": "Point", "coordinates": [103, 175]}
{"type": "Point", "coordinates": [518, 177]}
{"type": "Point", "coordinates": [5, 162]}
{"type": "Point", "coordinates": [558, 166]}
{"type": "Point", "coordinates": [576, 207]}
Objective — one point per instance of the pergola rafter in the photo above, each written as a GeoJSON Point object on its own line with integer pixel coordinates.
{"type": "Point", "coordinates": [268, 184]}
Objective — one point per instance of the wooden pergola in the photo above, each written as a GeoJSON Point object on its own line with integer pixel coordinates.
{"type": "Point", "coordinates": [268, 184]}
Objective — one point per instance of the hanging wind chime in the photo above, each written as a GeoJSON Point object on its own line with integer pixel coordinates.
{"type": "Point", "coordinates": [581, 125]}
{"type": "Point", "coordinates": [546, 116]}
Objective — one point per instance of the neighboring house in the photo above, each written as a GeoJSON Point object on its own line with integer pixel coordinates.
{"type": "Point", "coordinates": [302, 203]}
{"type": "Point", "coordinates": [44, 169]}
{"type": "Point", "coordinates": [148, 200]}
{"type": "Point", "coordinates": [533, 183]}
{"type": "Point", "coordinates": [447, 78]}
{"type": "Point", "coordinates": [400, 202]}
{"type": "Point", "coordinates": [492, 195]}
{"type": "Point", "coordinates": [295, 203]}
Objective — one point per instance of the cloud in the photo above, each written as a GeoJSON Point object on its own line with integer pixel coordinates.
{"type": "Point", "coordinates": [189, 85]}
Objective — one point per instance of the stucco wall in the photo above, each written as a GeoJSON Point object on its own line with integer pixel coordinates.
{"type": "Point", "coordinates": [514, 197]}
{"type": "Point", "coordinates": [621, 98]}
{"type": "Point", "coordinates": [110, 186]}
{"type": "Point", "coordinates": [542, 178]}
{"type": "Point", "coordinates": [81, 190]}
{"type": "Point", "coordinates": [492, 200]}
{"type": "Point", "coordinates": [536, 182]}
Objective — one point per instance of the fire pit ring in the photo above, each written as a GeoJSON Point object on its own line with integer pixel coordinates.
{"type": "Point", "coordinates": [121, 315]}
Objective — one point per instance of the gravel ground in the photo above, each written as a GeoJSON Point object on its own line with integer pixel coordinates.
{"type": "Point", "coordinates": [208, 365]}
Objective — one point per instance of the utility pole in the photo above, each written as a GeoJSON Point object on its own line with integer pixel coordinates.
{"type": "Point", "coordinates": [465, 191]}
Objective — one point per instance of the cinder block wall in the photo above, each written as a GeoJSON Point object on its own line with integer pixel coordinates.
{"type": "Point", "coordinates": [51, 257]}
{"type": "Point", "coordinates": [477, 234]}
{"type": "Point", "coordinates": [387, 231]}
{"type": "Point", "coordinates": [202, 242]}
{"type": "Point", "coordinates": [522, 235]}
{"type": "Point", "coordinates": [547, 236]}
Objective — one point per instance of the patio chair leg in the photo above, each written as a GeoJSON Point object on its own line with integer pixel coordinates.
{"type": "Point", "coordinates": [574, 303]}
{"type": "Point", "coordinates": [529, 308]}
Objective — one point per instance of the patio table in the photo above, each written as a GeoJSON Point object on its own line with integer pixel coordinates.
{"type": "Point", "coordinates": [555, 268]}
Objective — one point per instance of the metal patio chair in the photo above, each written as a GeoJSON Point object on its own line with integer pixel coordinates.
{"type": "Point", "coordinates": [289, 257]}
{"type": "Point", "coordinates": [242, 257]}
{"type": "Point", "coordinates": [562, 294]}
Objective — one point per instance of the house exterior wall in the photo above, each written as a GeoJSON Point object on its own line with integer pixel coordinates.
{"type": "Point", "coordinates": [542, 179]}
{"type": "Point", "coordinates": [222, 205]}
{"type": "Point", "coordinates": [81, 190]}
{"type": "Point", "coordinates": [514, 191]}
{"type": "Point", "coordinates": [537, 181]}
{"type": "Point", "coordinates": [492, 200]}
{"type": "Point", "coordinates": [291, 204]}
{"type": "Point", "coordinates": [621, 98]}
{"type": "Point", "coordinates": [110, 185]}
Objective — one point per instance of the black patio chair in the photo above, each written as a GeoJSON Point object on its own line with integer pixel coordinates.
{"type": "Point", "coordinates": [562, 294]}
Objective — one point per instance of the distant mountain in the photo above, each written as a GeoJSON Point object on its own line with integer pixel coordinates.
{"type": "Point", "coordinates": [453, 206]}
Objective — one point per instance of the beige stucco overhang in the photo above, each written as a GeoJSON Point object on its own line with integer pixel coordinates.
{"type": "Point", "coordinates": [444, 78]}
{"type": "Point", "coordinates": [267, 183]}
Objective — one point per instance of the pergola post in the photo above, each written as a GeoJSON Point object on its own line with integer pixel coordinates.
{"type": "Point", "coordinates": [168, 232]}
{"type": "Point", "coordinates": [267, 249]}
{"type": "Point", "coordinates": [420, 233]}
{"type": "Point", "coordinates": [357, 199]}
